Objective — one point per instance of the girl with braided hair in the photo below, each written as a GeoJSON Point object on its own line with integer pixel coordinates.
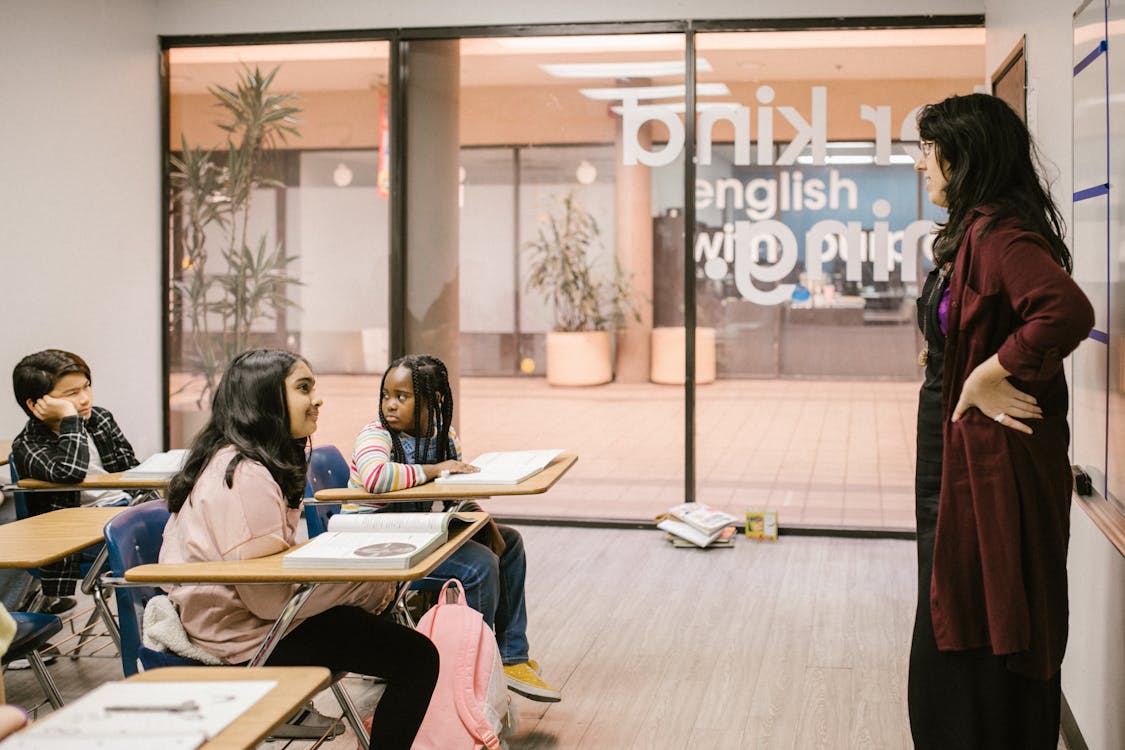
{"type": "Point", "coordinates": [413, 441]}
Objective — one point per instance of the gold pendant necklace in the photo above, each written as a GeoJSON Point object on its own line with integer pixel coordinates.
{"type": "Point", "coordinates": [935, 292]}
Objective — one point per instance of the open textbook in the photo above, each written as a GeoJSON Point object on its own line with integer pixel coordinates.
{"type": "Point", "coordinates": [159, 465]}
{"type": "Point", "coordinates": [504, 467]}
{"type": "Point", "coordinates": [126, 715]}
{"type": "Point", "coordinates": [375, 540]}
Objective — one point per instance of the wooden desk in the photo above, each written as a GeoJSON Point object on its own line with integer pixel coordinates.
{"type": "Point", "coordinates": [269, 570]}
{"type": "Point", "coordinates": [39, 540]}
{"type": "Point", "coordinates": [533, 485]}
{"type": "Point", "coordinates": [113, 481]}
{"type": "Point", "coordinates": [295, 685]}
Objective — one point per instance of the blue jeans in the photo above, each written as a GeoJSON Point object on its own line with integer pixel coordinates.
{"type": "Point", "coordinates": [494, 587]}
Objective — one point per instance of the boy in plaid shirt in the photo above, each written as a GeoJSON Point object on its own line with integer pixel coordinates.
{"type": "Point", "coordinates": [65, 439]}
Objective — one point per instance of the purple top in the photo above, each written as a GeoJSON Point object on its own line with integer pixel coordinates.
{"type": "Point", "coordinates": [943, 312]}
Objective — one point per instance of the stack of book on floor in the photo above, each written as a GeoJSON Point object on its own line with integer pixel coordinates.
{"type": "Point", "coordinates": [697, 525]}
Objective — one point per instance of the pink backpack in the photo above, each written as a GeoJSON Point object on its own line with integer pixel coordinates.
{"type": "Point", "coordinates": [469, 707]}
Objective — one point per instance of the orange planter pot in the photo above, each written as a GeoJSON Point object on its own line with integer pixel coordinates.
{"type": "Point", "coordinates": [579, 357]}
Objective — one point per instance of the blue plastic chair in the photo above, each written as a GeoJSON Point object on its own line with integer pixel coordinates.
{"type": "Point", "coordinates": [328, 469]}
{"type": "Point", "coordinates": [133, 538]}
{"type": "Point", "coordinates": [33, 632]}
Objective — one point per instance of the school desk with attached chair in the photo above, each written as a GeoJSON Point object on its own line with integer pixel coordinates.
{"type": "Point", "coordinates": [270, 570]}
{"type": "Point", "coordinates": [39, 540]}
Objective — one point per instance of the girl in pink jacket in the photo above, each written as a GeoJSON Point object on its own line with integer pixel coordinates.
{"type": "Point", "coordinates": [237, 498]}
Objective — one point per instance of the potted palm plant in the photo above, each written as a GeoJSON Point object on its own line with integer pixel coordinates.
{"type": "Point", "coordinates": [587, 304]}
{"type": "Point", "coordinates": [229, 281]}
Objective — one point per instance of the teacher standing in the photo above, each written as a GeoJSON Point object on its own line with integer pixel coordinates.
{"type": "Point", "coordinates": [998, 314]}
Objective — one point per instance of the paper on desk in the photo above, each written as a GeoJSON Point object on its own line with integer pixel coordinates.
{"type": "Point", "coordinates": [165, 714]}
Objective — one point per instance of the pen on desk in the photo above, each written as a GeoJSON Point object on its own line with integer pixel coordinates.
{"type": "Point", "coordinates": [185, 707]}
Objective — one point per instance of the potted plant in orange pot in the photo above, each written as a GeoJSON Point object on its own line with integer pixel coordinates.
{"type": "Point", "coordinates": [587, 304]}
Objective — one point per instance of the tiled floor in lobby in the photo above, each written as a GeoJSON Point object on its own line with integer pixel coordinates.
{"type": "Point", "coordinates": [820, 452]}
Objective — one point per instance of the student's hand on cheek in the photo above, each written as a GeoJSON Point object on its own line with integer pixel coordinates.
{"type": "Point", "coordinates": [49, 408]}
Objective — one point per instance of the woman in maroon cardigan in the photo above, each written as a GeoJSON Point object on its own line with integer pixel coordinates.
{"type": "Point", "coordinates": [998, 314]}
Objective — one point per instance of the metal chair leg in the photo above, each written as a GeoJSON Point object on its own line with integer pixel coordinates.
{"type": "Point", "coordinates": [351, 713]}
{"type": "Point", "coordinates": [35, 659]}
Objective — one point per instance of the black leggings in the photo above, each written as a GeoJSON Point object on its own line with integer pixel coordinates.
{"type": "Point", "coordinates": [350, 639]}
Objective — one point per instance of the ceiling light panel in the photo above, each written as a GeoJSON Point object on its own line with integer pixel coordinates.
{"type": "Point", "coordinates": [620, 93]}
{"type": "Point", "coordinates": [652, 69]}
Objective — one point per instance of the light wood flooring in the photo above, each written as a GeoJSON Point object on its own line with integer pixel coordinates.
{"type": "Point", "coordinates": [798, 644]}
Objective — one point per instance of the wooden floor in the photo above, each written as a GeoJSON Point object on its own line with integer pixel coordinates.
{"type": "Point", "coordinates": [799, 643]}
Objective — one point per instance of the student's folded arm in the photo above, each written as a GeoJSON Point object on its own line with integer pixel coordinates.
{"type": "Point", "coordinates": [64, 460]}
{"type": "Point", "coordinates": [377, 472]}
{"type": "Point", "coordinates": [121, 455]}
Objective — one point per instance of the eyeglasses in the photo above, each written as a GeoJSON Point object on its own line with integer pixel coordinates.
{"type": "Point", "coordinates": [927, 147]}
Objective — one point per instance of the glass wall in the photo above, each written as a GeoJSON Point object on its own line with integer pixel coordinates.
{"type": "Point", "coordinates": [809, 243]}
{"type": "Point", "coordinates": [286, 244]}
{"type": "Point", "coordinates": [812, 237]}
{"type": "Point", "coordinates": [546, 195]}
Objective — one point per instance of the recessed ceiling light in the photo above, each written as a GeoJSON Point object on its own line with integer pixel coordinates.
{"type": "Point", "coordinates": [681, 107]}
{"type": "Point", "coordinates": [619, 93]}
{"type": "Point", "coordinates": [651, 69]}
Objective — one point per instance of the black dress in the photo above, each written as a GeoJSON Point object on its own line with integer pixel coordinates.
{"type": "Point", "coordinates": [961, 700]}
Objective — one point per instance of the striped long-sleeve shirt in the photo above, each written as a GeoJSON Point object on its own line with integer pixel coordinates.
{"type": "Point", "coordinates": [372, 468]}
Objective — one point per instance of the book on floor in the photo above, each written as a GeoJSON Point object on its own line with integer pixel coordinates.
{"type": "Point", "coordinates": [702, 517]}
{"type": "Point", "coordinates": [696, 523]}
{"type": "Point", "coordinates": [761, 524]}
{"type": "Point", "coordinates": [124, 715]}
{"type": "Point", "coordinates": [504, 467]}
{"type": "Point", "coordinates": [159, 465]}
{"type": "Point", "coordinates": [375, 540]}
{"type": "Point", "coordinates": [725, 540]}
{"type": "Point", "coordinates": [684, 531]}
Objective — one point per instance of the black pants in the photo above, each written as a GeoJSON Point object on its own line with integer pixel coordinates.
{"type": "Point", "coordinates": [350, 639]}
{"type": "Point", "coordinates": [965, 700]}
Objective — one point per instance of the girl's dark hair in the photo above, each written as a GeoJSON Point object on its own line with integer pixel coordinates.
{"type": "Point", "coordinates": [431, 386]}
{"type": "Point", "coordinates": [990, 161]}
{"type": "Point", "coordinates": [249, 411]}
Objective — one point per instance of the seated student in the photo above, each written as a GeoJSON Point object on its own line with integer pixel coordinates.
{"type": "Point", "coordinates": [65, 440]}
{"type": "Point", "coordinates": [237, 498]}
{"type": "Point", "coordinates": [411, 442]}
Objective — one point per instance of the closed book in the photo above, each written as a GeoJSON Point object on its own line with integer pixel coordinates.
{"type": "Point", "coordinates": [686, 532]}
{"type": "Point", "coordinates": [159, 465]}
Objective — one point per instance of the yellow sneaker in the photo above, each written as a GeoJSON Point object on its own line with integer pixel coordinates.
{"type": "Point", "coordinates": [523, 679]}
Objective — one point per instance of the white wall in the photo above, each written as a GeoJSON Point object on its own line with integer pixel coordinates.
{"type": "Point", "coordinates": [80, 199]}
{"type": "Point", "coordinates": [1093, 674]}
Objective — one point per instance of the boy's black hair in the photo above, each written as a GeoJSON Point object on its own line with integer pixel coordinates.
{"type": "Point", "coordinates": [431, 385]}
{"type": "Point", "coordinates": [249, 411]}
{"type": "Point", "coordinates": [36, 374]}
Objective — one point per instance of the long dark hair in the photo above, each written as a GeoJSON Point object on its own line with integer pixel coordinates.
{"type": "Point", "coordinates": [249, 411]}
{"type": "Point", "coordinates": [431, 386]}
{"type": "Point", "coordinates": [990, 161]}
